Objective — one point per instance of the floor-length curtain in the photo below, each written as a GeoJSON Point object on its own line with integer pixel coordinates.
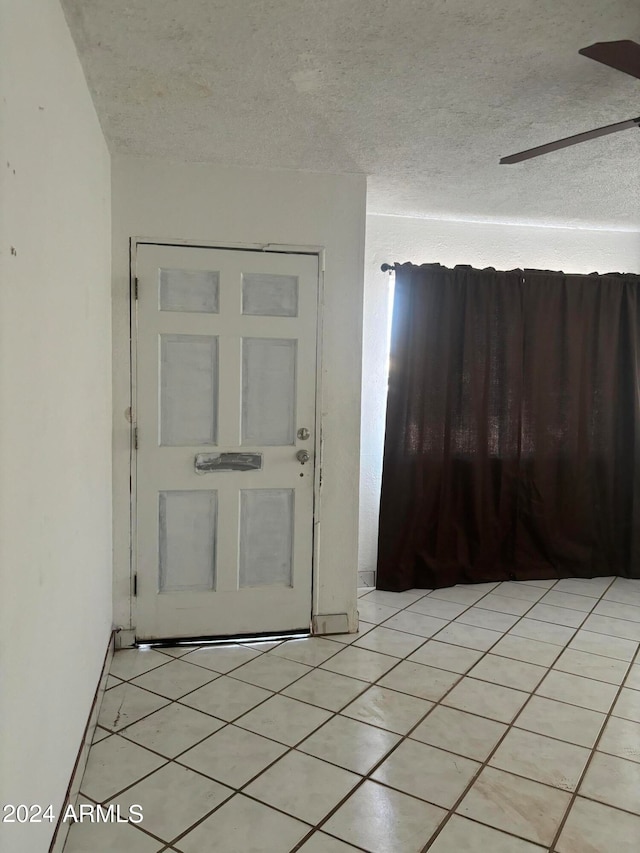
{"type": "Point", "coordinates": [512, 446]}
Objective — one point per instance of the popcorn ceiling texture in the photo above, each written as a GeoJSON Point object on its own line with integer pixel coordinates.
{"type": "Point", "coordinates": [423, 96]}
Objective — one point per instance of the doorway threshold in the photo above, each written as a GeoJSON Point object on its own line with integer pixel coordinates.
{"type": "Point", "coordinates": [267, 636]}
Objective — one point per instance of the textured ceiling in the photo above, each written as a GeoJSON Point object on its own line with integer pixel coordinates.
{"type": "Point", "coordinates": [423, 96]}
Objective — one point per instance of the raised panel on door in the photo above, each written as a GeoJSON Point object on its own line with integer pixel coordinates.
{"type": "Point", "coordinates": [266, 537]}
{"type": "Point", "coordinates": [188, 388]}
{"type": "Point", "coordinates": [269, 391]}
{"type": "Point", "coordinates": [187, 532]}
{"type": "Point", "coordinates": [226, 379]}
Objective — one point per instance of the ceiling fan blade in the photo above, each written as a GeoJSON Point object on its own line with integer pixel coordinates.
{"type": "Point", "coordinates": [622, 55]}
{"type": "Point", "coordinates": [571, 140]}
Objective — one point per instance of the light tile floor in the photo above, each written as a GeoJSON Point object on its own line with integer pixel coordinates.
{"type": "Point", "coordinates": [501, 717]}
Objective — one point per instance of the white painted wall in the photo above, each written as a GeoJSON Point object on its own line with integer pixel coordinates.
{"type": "Point", "coordinates": [229, 206]}
{"type": "Point", "coordinates": [55, 399]}
{"type": "Point", "coordinates": [393, 238]}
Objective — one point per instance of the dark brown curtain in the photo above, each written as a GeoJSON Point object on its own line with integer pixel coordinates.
{"type": "Point", "coordinates": [512, 446]}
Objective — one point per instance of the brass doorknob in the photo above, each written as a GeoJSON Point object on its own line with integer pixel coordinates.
{"type": "Point", "coordinates": [302, 456]}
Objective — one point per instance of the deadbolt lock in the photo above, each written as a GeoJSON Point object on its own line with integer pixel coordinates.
{"type": "Point", "coordinates": [302, 456]}
{"type": "Point", "coordinates": [303, 433]}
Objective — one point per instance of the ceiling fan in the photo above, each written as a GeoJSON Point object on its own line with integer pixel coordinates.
{"type": "Point", "coordinates": [623, 55]}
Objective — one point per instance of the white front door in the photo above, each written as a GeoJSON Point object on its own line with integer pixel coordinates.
{"type": "Point", "coordinates": [226, 392]}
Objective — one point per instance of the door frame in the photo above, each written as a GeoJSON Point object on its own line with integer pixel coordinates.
{"type": "Point", "coordinates": [128, 637]}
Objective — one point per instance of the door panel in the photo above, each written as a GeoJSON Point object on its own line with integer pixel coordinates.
{"type": "Point", "coordinates": [270, 295]}
{"type": "Point", "coordinates": [189, 290]}
{"type": "Point", "coordinates": [187, 531]}
{"type": "Point", "coordinates": [226, 364]}
{"type": "Point", "coordinates": [266, 537]}
{"type": "Point", "coordinates": [188, 389]}
{"type": "Point", "coordinates": [268, 391]}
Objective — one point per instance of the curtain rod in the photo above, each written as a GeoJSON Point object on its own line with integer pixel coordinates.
{"type": "Point", "coordinates": [388, 267]}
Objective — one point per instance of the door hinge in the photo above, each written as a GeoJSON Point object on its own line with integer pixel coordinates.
{"type": "Point", "coordinates": [135, 584]}
{"type": "Point", "coordinates": [135, 288]}
{"type": "Point", "coordinates": [135, 438]}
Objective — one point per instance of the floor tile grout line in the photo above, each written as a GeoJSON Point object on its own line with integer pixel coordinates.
{"type": "Point", "coordinates": [192, 826]}
{"type": "Point", "coordinates": [131, 784]}
{"type": "Point", "coordinates": [633, 602]}
{"type": "Point", "coordinates": [606, 616]}
{"type": "Point", "coordinates": [294, 748]}
{"type": "Point", "coordinates": [568, 646]}
{"type": "Point", "coordinates": [226, 723]}
{"type": "Point", "coordinates": [469, 607]}
{"type": "Point", "coordinates": [315, 830]}
{"type": "Point", "coordinates": [591, 611]}
{"type": "Point", "coordinates": [593, 799]}
{"type": "Point", "coordinates": [552, 590]}
{"type": "Point", "coordinates": [163, 695]}
{"type": "Point", "coordinates": [236, 792]}
{"type": "Point", "coordinates": [291, 749]}
{"type": "Point", "coordinates": [542, 847]}
{"type": "Point", "coordinates": [318, 666]}
{"type": "Point", "coordinates": [344, 646]}
{"type": "Point", "coordinates": [591, 677]}
{"type": "Point", "coordinates": [308, 735]}
{"type": "Point", "coordinates": [526, 616]}
{"type": "Point", "coordinates": [334, 714]}
{"type": "Point", "coordinates": [407, 735]}
{"type": "Point", "coordinates": [555, 669]}
{"type": "Point", "coordinates": [365, 778]}
{"type": "Point", "coordinates": [485, 764]}
{"type": "Point", "coordinates": [232, 722]}
{"type": "Point", "coordinates": [450, 621]}
{"type": "Point", "coordinates": [468, 673]}
{"type": "Point", "coordinates": [510, 726]}
{"type": "Point", "coordinates": [180, 700]}
{"type": "Point", "coordinates": [216, 675]}
{"type": "Point", "coordinates": [229, 673]}
{"type": "Point", "coordinates": [383, 675]}
{"type": "Point", "coordinates": [516, 583]}
{"type": "Point", "coordinates": [612, 637]}
{"type": "Point", "coordinates": [146, 832]}
{"type": "Point", "coordinates": [546, 604]}
{"type": "Point", "coordinates": [339, 713]}
{"type": "Point", "coordinates": [232, 792]}
{"type": "Point", "coordinates": [241, 790]}
{"type": "Point", "coordinates": [477, 603]}
{"type": "Point", "coordinates": [590, 759]}
{"type": "Point", "coordinates": [191, 663]}
{"type": "Point", "coordinates": [139, 674]}
{"type": "Point", "coordinates": [177, 838]}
